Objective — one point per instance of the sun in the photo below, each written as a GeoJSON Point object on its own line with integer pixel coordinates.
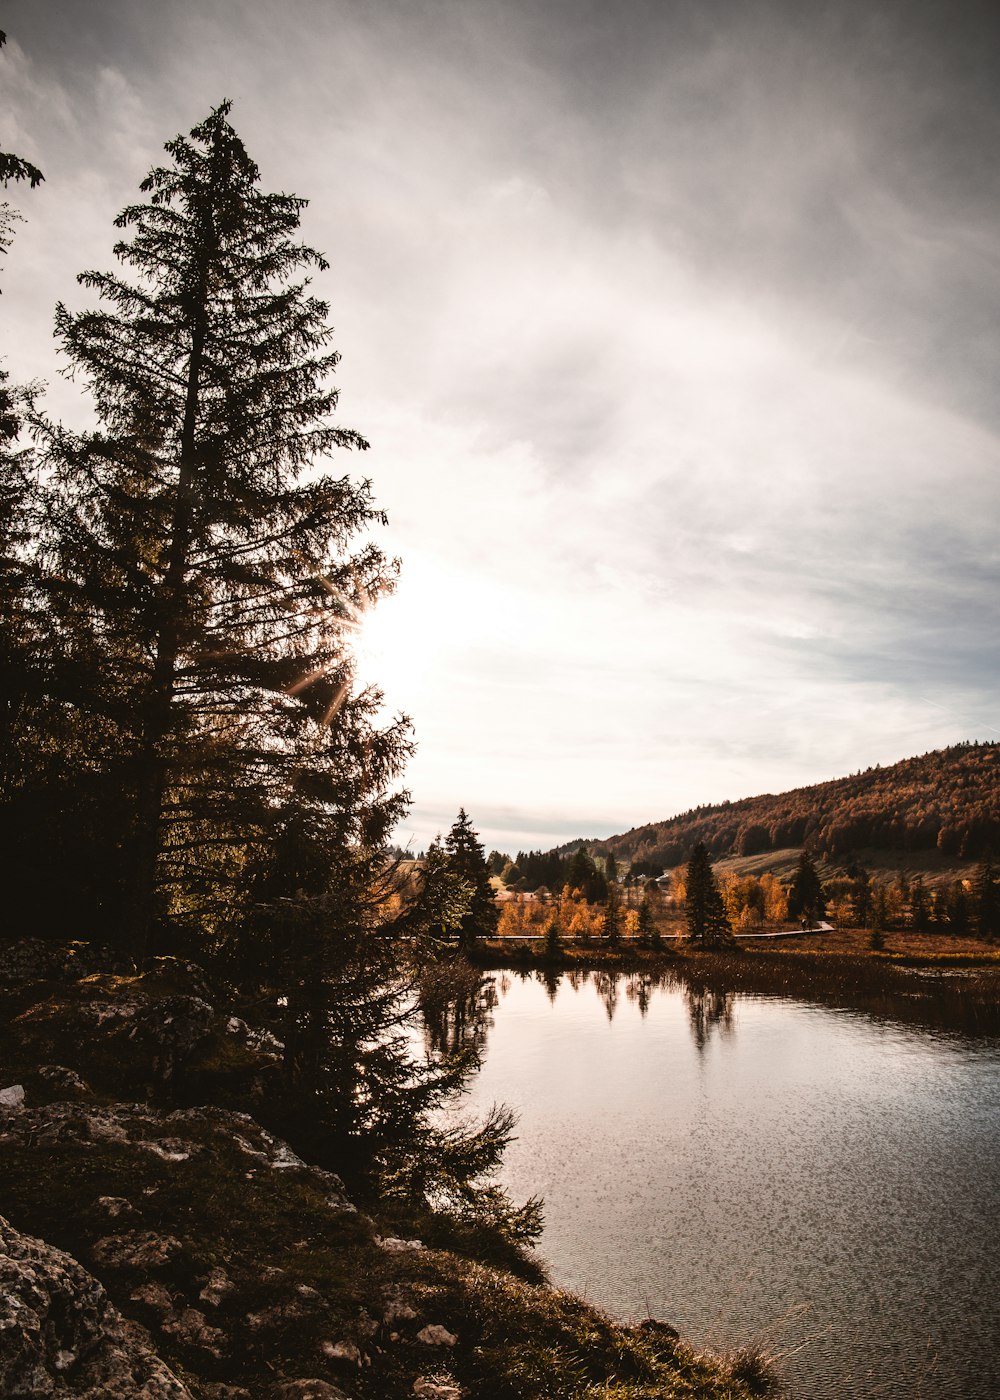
{"type": "Point", "coordinates": [392, 648]}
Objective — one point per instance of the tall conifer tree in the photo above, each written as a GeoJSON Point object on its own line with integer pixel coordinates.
{"type": "Point", "coordinates": [467, 860]}
{"type": "Point", "coordinates": [203, 583]}
{"type": "Point", "coordinates": [707, 920]}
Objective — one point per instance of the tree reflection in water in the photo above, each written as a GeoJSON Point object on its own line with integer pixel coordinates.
{"type": "Point", "coordinates": [606, 984]}
{"type": "Point", "coordinates": [457, 1002]}
{"type": "Point", "coordinates": [551, 979]}
{"type": "Point", "coordinates": [638, 988]}
{"type": "Point", "coordinates": [707, 1008]}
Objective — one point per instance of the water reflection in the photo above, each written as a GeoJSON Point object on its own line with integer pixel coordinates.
{"type": "Point", "coordinates": [457, 1002]}
{"type": "Point", "coordinates": [760, 1167]}
{"type": "Point", "coordinates": [708, 1008]}
{"type": "Point", "coordinates": [637, 991]}
{"type": "Point", "coordinates": [606, 984]}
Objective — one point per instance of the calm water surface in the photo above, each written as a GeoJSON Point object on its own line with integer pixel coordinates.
{"type": "Point", "coordinates": [750, 1168]}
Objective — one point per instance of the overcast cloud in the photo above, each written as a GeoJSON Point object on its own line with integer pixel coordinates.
{"type": "Point", "coordinates": [675, 329]}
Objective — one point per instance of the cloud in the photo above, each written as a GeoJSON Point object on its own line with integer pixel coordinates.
{"type": "Point", "coordinates": [674, 332]}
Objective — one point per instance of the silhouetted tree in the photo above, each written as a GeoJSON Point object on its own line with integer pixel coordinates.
{"type": "Point", "coordinates": [958, 908]}
{"type": "Point", "coordinates": [613, 915]}
{"type": "Point", "coordinates": [920, 914]}
{"type": "Point", "coordinates": [467, 860]}
{"type": "Point", "coordinates": [806, 896]}
{"type": "Point", "coordinates": [582, 874]}
{"type": "Point", "coordinates": [15, 168]}
{"type": "Point", "coordinates": [861, 897]}
{"type": "Point", "coordinates": [201, 591]}
{"type": "Point", "coordinates": [707, 921]}
{"type": "Point", "coordinates": [986, 900]}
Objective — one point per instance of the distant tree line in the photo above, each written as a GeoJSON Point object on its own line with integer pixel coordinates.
{"type": "Point", "coordinates": [948, 801]}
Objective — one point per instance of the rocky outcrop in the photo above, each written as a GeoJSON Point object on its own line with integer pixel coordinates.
{"type": "Point", "coordinates": [165, 1035]}
{"type": "Point", "coordinates": [60, 1335]}
{"type": "Point", "coordinates": [214, 1135]}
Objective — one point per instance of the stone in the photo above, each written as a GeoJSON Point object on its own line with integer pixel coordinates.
{"type": "Point", "coordinates": [60, 1335]}
{"type": "Point", "coordinates": [136, 1249]}
{"type": "Point", "coordinates": [342, 1351]}
{"type": "Point", "coordinates": [168, 1134]}
{"type": "Point", "coordinates": [217, 1287]}
{"type": "Point", "coordinates": [154, 1296]}
{"type": "Point", "coordinates": [63, 1080]}
{"type": "Point", "coordinates": [433, 1335]}
{"type": "Point", "coordinates": [306, 1390]}
{"type": "Point", "coordinates": [12, 1097]}
{"type": "Point", "coordinates": [114, 1208]}
{"type": "Point", "coordinates": [171, 1149]}
{"type": "Point", "coordinates": [398, 1311]}
{"type": "Point", "coordinates": [191, 1327]}
{"type": "Point", "coordinates": [391, 1245]}
{"type": "Point", "coordinates": [436, 1388]}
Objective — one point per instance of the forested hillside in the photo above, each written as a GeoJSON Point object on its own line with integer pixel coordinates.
{"type": "Point", "coordinates": [946, 801]}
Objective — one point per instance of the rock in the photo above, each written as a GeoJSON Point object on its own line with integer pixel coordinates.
{"type": "Point", "coordinates": [191, 1327]}
{"type": "Point", "coordinates": [391, 1245]}
{"type": "Point", "coordinates": [171, 1149]}
{"type": "Point", "coordinates": [61, 1336]}
{"type": "Point", "coordinates": [147, 1034]}
{"type": "Point", "coordinates": [12, 1097]}
{"type": "Point", "coordinates": [172, 1136]}
{"type": "Point", "coordinates": [114, 1208]}
{"type": "Point", "coordinates": [342, 1351]}
{"type": "Point", "coordinates": [398, 1311]}
{"type": "Point", "coordinates": [306, 1390]}
{"type": "Point", "coordinates": [138, 1250]}
{"type": "Point", "coordinates": [217, 1287]}
{"type": "Point", "coordinates": [65, 1082]}
{"type": "Point", "coordinates": [433, 1335]}
{"type": "Point", "coordinates": [436, 1388]}
{"type": "Point", "coordinates": [154, 1296]}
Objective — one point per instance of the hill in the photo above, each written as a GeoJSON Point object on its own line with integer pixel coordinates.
{"type": "Point", "coordinates": [943, 807]}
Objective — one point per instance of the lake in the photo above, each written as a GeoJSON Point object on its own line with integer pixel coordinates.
{"type": "Point", "coordinates": [760, 1168]}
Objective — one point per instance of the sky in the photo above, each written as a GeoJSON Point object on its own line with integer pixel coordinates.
{"type": "Point", "coordinates": [675, 331]}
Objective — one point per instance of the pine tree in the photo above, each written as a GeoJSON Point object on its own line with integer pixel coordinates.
{"type": "Point", "coordinates": [202, 590]}
{"type": "Point", "coordinates": [919, 908]}
{"type": "Point", "coordinates": [648, 929]}
{"type": "Point", "coordinates": [707, 920]}
{"type": "Point", "coordinates": [467, 860]}
{"type": "Point", "coordinates": [582, 874]}
{"type": "Point", "coordinates": [613, 915]}
{"type": "Point", "coordinates": [986, 897]}
{"type": "Point", "coordinates": [861, 897]}
{"type": "Point", "coordinates": [806, 897]}
{"type": "Point", "coordinates": [15, 168]}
